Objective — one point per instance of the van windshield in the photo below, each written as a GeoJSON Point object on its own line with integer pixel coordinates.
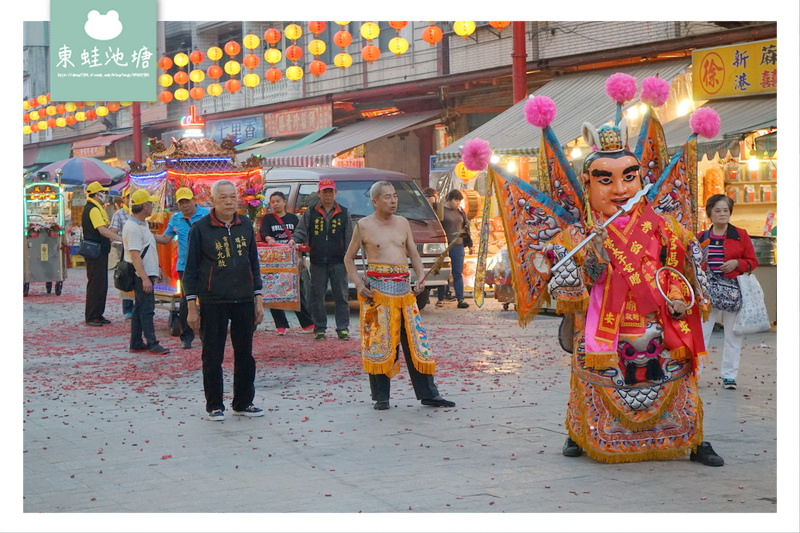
{"type": "Point", "coordinates": [354, 195]}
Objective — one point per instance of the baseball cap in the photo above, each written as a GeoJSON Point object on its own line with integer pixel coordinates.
{"type": "Point", "coordinates": [326, 184]}
{"type": "Point", "coordinates": [95, 187]}
{"type": "Point", "coordinates": [142, 197]}
{"type": "Point", "coordinates": [184, 193]}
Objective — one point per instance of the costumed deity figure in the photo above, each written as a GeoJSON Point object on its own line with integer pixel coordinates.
{"type": "Point", "coordinates": [627, 277]}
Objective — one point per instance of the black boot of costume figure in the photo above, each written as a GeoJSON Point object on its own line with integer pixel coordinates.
{"type": "Point", "coordinates": [571, 448]}
{"type": "Point", "coordinates": [705, 454]}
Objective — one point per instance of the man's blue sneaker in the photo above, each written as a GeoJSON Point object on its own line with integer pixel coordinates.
{"type": "Point", "coordinates": [216, 415]}
{"type": "Point", "coordinates": [729, 384]}
{"type": "Point", "coordinates": [250, 410]}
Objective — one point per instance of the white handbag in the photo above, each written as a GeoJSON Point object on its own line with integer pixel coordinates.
{"type": "Point", "coordinates": [752, 317]}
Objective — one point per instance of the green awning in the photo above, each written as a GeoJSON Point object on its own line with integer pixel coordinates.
{"type": "Point", "coordinates": [53, 153]}
{"type": "Point", "coordinates": [247, 144]}
{"type": "Point", "coordinates": [305, 141]}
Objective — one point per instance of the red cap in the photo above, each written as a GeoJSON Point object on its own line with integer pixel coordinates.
{"type": "Point", "coordinates": [327, 184]}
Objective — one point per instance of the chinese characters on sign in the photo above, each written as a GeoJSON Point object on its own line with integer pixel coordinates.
{"type": "Point", "coordinates": [738, 70]}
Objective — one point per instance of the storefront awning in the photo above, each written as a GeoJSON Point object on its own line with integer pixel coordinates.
{"type": "Point", "coordinates": [323, 151]}
{"type": "Point", "coordinates": [271, 147]}
{"type": "Point", "coordinates": [29, 156]}
{"type": "Point", "coordinates": [96, 146]}
{"type": "Point", "coordinates": [578, 97]}
{"type": "Point", "coordinates": [250, 142]}
{"type": "Point", "coordinates": [738, 117]}
{"type": "Point", "coordinates": [53, 153]}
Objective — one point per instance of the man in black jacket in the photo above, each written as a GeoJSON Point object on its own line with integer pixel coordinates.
{"type": "Point", "coordinates": [222, 271]}
{"type": "Point", "coordinates": [327, 229]}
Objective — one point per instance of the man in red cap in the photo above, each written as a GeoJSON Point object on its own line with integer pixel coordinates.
{"type": "Point", "coordinates": [326, 227]}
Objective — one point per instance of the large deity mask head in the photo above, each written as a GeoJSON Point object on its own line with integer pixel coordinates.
{"type": "Point", "coordinates": [611, 174]}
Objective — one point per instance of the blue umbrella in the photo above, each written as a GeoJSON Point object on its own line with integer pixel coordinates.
{"type": "Point", "coordinates": [82, 170]}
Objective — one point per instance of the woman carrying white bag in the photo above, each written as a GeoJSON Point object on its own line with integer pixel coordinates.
{"type": "Point", "coordinates": [728, 253]}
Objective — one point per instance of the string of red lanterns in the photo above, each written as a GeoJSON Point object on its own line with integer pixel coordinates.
{"type": "Point", "coordinates": [189, 76]}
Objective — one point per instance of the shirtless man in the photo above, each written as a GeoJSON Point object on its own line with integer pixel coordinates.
{"type": "Point", "coordinates": [385, 297]}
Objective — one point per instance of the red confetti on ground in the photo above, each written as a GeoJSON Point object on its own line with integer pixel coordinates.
{"type": "Point", "coordinates": [166, 457]}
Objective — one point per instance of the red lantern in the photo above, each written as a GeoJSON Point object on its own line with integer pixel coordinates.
{"type": "Point", "coordinates": [370, 53]}
{"type": "Point", "coordinates": [233, 85]}
{"type": "Point", "coordinates": [342, 39]}
{"type": "Point", "coordinates": [34, 103]}
{"type": "Point", "coordinates": [181, 77]}
{"type": "Point", "coordinates": [61, 109]}
{"type": "Point", "coordinates": [272, 36]}
{"type": "Point", "coordinates": [164, 96]}
{"type": "Point", "coordinates": [197, 57]}
{"type": "Point", "coordinates": [432, 34]}
{"type": "Point", "coordinates": [80, 105]}
{"type": "Point", "coordinates": [232, 48]}
{"type": "Point", "coordinates": [26, 117]}
{"type": "Point", "coordinates": [293, 53]}
{"type": "Point", "coordinates": [34, 128]}
{"type": "Point", "coordinates": [251, 61]}
{"type": "Point", "coordinates": [51, 123]}
{"type": "Point", "coordinates": [316, 27]}
{"type": "Point", "coordinates": [273, 75]}
{"type": "Point", "coordinates": [91, 114]}
{"type": "Point", "coordinates": [71, 121]}
{"type": "Point", "coordinates": [499, 25]}
{"type": "Point", "coordinates": [113, 106]}
{"type": "Point", "coordinates": [398, 24]}
{"type": "Point", "coordinates": [197, 93]}
{"type": "Point", "coordinates": [317, 67]}
{"type": "Point", "coordinates": [214, 72]}
{"type": "Point", "coordinates": [165, 63]}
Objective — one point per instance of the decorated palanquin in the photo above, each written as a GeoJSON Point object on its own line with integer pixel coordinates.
{"type": "Point", "coordinates": [632, 301]}
{"type": "Point", "coordinates": [194, 162]}
{"type": "Point", "coordinates": [280, 276]}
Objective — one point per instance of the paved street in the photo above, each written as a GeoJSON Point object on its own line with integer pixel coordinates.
{"type": "Point", "coordinates": [107, 431]}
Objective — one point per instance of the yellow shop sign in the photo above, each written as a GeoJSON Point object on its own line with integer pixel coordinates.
{"type": "Point", "coordinates": [738, 70]}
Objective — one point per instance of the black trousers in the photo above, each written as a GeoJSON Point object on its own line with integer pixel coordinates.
{"type": "Point", "coordinates": [214, 320]}
{"type": "Point", "coordinates": [96, 287]}
{"type": "Point", "coordinates": [424, 386]}
{"type": "Point", "coordinates": [187, 333]}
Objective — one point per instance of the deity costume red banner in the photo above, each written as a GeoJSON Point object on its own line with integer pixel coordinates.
{"type": "Point", "coordinates": [634, 245]}
{"type": "Point", "coordinates": [280, 275]}
{"type": "Point", "coordinates": [380, 319]}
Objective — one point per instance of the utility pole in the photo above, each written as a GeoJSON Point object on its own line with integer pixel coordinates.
{"type": "Point", "coordinates": [136, 119]}
{"type": "Point", "coordinates": [518, 61]}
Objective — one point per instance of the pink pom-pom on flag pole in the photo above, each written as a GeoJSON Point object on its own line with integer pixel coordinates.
{"type": "Point", "coordinates": [655, 91]}
{"type": "Point", "coordinates": [540, 111]}
{"type": "Point", "coordinates": [476, 154]}
{"type": "Point", "coordinates": [705, 122]}
{"type": "Point", "coordinates": [621, 87]}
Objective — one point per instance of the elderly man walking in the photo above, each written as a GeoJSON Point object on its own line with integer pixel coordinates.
{"type": "Point", "coordinates": [222, 283]}
{"type": "Point", "coordinates": [389, 314]}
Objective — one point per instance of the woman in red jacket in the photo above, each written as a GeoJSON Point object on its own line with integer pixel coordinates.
{"type": "Point", "coordinates": [729, 253]}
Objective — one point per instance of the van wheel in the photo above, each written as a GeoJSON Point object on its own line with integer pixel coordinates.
{"type": "Point", "coordinates": [422, 300]}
